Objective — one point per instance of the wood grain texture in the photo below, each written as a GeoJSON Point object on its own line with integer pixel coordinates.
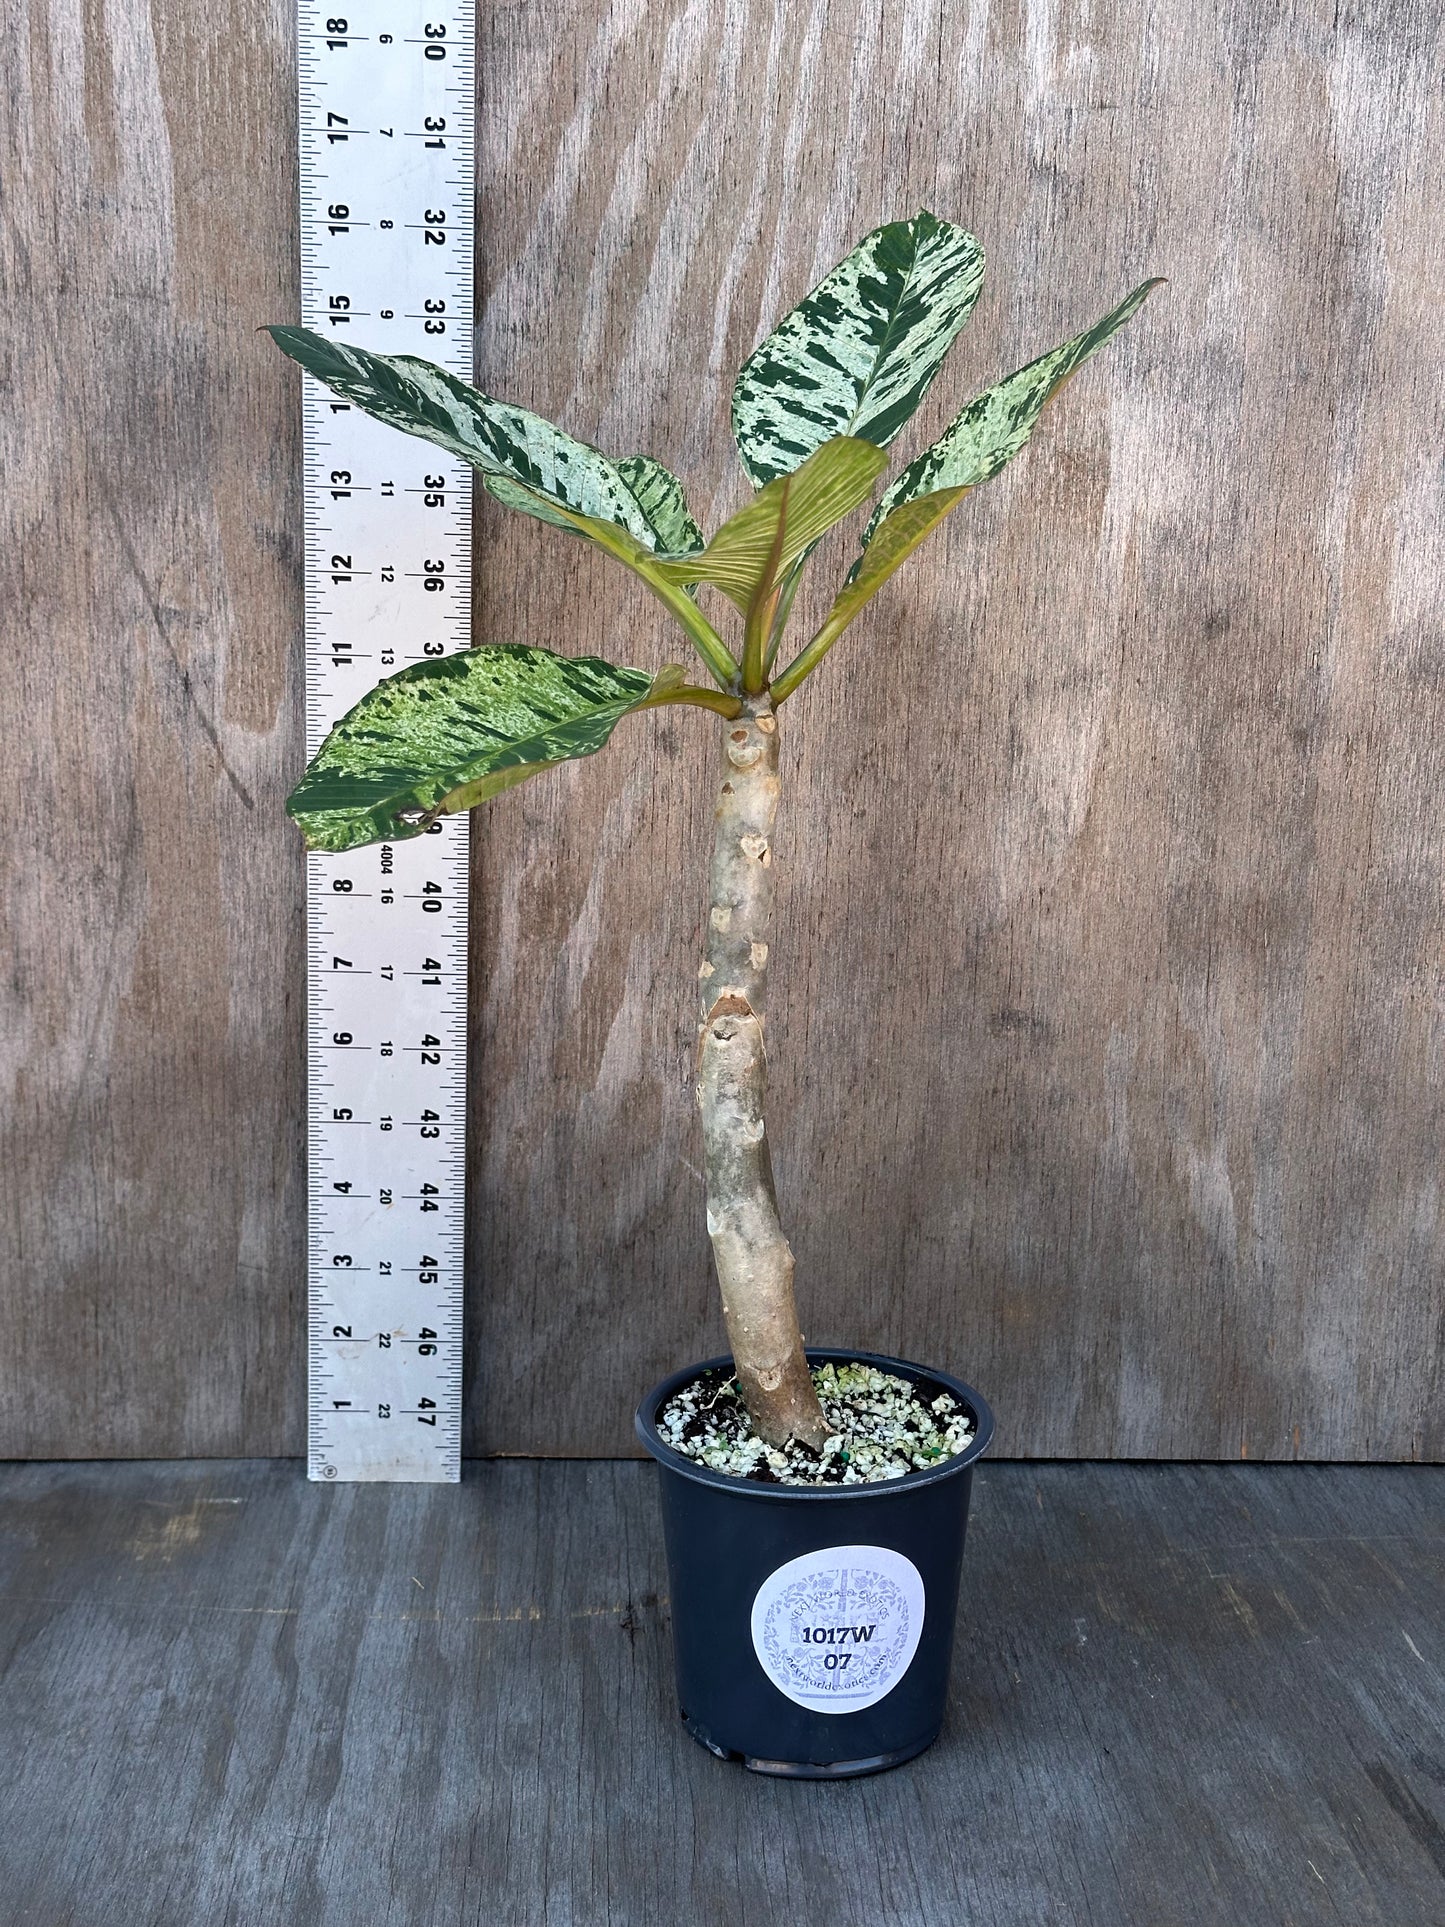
{"type": "Point", "coordinates": [1106, 1022]}
{"type": "Point", "coordinates": [1110, 865]}
{"type": "Point", "coordinates": [1181, 1697]}
{"type": "Point", "coordinates": [152, 1200]}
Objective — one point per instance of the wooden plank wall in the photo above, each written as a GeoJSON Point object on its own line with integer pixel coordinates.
{"type": "Point", "coordinates": [1107, 1032]}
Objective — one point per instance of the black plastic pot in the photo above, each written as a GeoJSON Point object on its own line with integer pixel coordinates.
{"type": "Point", "coordinates": [813, 1625]}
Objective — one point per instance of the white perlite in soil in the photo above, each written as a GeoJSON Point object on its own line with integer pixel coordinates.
{"type": "Point", "coordinates": [880, 1429]}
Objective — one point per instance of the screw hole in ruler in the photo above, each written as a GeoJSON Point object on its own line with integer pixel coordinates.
{"type": "Point", "coordinates": [387, 93]}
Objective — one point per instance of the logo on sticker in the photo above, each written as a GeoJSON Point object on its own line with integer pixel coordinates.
{"type": "Point", "coordinates": [838, 1628]}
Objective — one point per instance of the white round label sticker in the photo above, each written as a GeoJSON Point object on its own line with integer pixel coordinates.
{"type": "Point", "coordinates": [838, 1628]}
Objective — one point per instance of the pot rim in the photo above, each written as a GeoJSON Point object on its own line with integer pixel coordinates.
{"type": "Point", "coordinates": [675, 1461]}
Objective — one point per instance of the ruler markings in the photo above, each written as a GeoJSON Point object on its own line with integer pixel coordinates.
{"type": "Point", "coordinates": [387, 158]}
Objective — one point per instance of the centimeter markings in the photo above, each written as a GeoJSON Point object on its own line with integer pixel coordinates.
{"type": "Point", "coordinates": [387, 157]}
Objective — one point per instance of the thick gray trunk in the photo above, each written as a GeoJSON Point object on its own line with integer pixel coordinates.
{"type": "Point", "coordinates": [754, 1262]}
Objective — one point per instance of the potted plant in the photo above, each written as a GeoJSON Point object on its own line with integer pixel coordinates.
{"type": "Point", "coordinates": [814, 1503]}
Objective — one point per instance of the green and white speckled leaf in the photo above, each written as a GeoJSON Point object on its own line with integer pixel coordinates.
{"type": "Point", "coordinates": [542, 469]}
{"type": "Point", "coordinates": [858, 354]}
{"type": "Point", "coordinates": [756, 547]}
{"type": "Point", "coordinates": [445, 735]}
{"type": "Point", "coordinates": [526, 463]}
{"type": "Point", "coordinates": [659, 495]}
{"type": "Point", "coordinates": [986, 436]}
{"type": "Point", "coordinates": [995, 425]}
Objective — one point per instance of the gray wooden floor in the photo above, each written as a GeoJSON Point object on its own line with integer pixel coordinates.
{"type": "Point", "coordinates": [1183, 1695]}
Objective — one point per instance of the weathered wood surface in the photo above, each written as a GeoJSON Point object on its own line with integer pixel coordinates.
{"type": "Point", "coordinates": [153, 1195]}
{"type": "Point", "coordinates": [1183, 1697]}
{"type": "Point", "coordinates": [1105, 1006]}
{"type": "Point", "coordinates": [1106, 1020]}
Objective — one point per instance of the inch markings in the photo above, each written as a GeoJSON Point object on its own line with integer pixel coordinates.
{"type": "Point", "coordinates": [387, 157]}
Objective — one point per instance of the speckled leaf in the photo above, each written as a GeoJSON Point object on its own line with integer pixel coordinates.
{"type": "Point", "coordinates": [858, 354]}
{"type": "Point", "coordinates": [995, 425]}
{"type": "Point", "coordinates": [541, 468]}
{"type": "Point", "coordinates": [988, 433]}
{"type": "Point", "coordinates": [445, 735]}
{"type": "Point", "coordinates": [526, 463]}
{"type": "Point", "coordinates": [756, 547]}
{"type": "Point", "coordinates": [659, 495]}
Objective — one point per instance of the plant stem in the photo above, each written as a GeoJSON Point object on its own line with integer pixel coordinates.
{"type": "Point", "coordinates": [716, 700]}
{"type": "Point", "coordinates": [763, 609]}
{"type": "Point", "coordinates": [700, 632]}
{"type": "Point", "coordinates": [754, 1261]}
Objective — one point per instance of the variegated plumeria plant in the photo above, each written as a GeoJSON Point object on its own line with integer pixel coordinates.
{"type": "Point", "coordinates": [814, 408]}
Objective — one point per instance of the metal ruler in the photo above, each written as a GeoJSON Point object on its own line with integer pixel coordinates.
{"type": "Point", "coordinates": [387, 169]}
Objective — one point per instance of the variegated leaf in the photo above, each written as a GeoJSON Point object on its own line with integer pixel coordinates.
{"type": "Point", "coordinates": [995, 425]}
{"type": "Point", "coordinates": [858, 354]}
{"type": "Point", "coordinates": [525, 462]}
{"type": "Point", "coordinates": [445, 735]}
{"type": "Point", "coordinates": [659, 495]}
{"type": "Point", "coordinates": [983, 439]}
{"type": "Point", "coordinates": [756, 547]}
